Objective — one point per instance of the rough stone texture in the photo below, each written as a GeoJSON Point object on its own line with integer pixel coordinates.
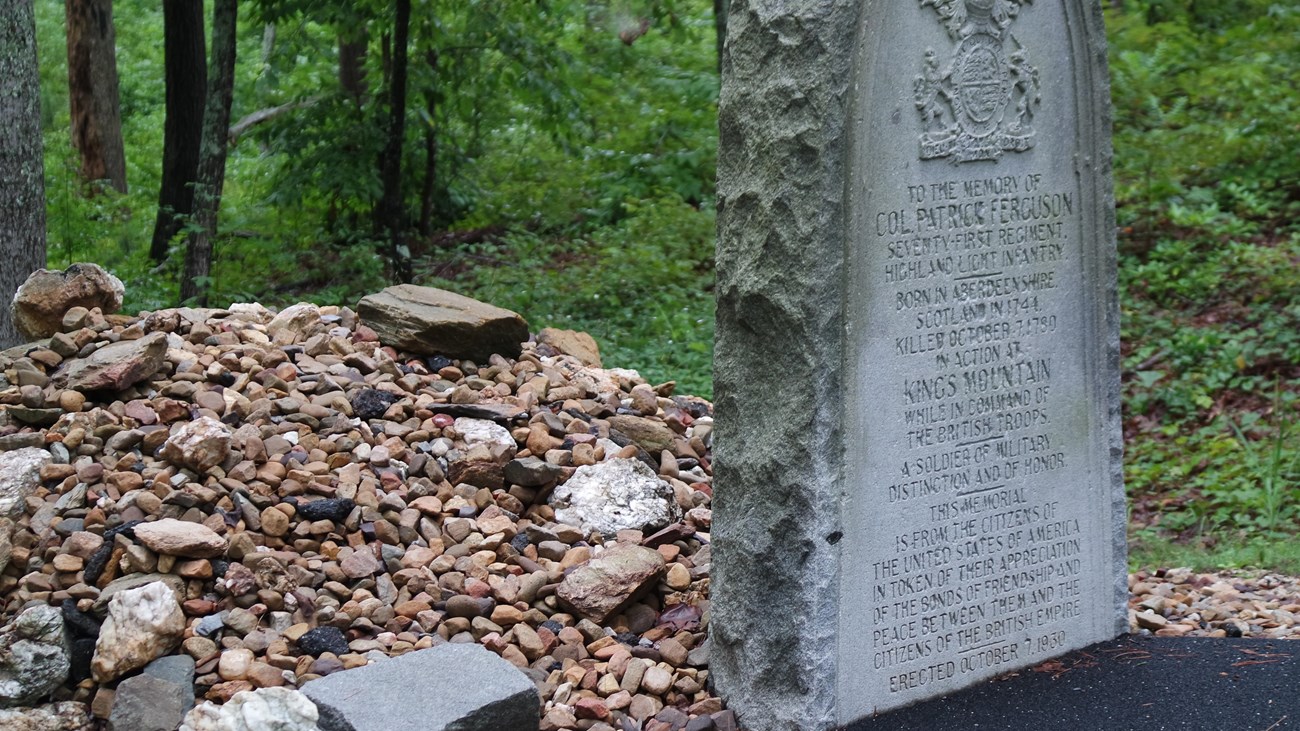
{"type": "Point", "coordinates": [792, 377]}
{"type": "Point", "coordinates": [180, 538]}
{"type": "Point", "coordinates": [323, 639]}
{"type": "Point", "coordinates": [6, 542]}
{"type": "Point", "coordinates": [482, 431]}
{"type": "Point", "coordinates": [615, 495]}
{"type": "Point", "coordinates": [41, 301]}
{"type": "Point", "coordinates": [605, 585]}
{"type": "Point", "coordinates": [115, 366]}
{"type": "Point", "coordinates": [34, 656]}
{"type": "Point", "coordinates": [782, 118]}
{"type": "Point", "coordinates": [20, 474]}
{"type": "Point", "coordinates": [652, 436]}
{"type": "Point", "coordinates": [295, 323]}
{"type": "Point", "coordinates": [147, 703]}
{"type": "Point", "coordinates": [265, 709]}
{"type": "Point", "coordinates": [448, 688]}
{"type": "Point", "coordinates": [142, 624]}
{"type": "Point", "coordinates": [580, 345]}
{"type": "Point", "coordinates": [199, 445]}
{"type": "Point", "coordinates": [177, 670]}
{"type": "Point", "coordinates": [433, 321]}
{"type": "Point", "coordinates": [65, 716]}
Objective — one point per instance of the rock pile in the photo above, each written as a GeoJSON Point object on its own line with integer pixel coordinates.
{"type": "Point", "coordinates": [1180, 602]}
{"type": "Point", "coordinates": [239, 501]}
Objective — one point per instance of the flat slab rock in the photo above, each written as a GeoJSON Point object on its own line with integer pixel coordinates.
{"type": "Point", "coordinates": [431, 321]}
{"type": "Point", "coordinates": [444, 688]}
{"type": "Point", "coordinates": [605, 585]}
{"type": "Point", "coordinates": [1129, 684]}
{"type": "Point", "coordinates": [115, 366]}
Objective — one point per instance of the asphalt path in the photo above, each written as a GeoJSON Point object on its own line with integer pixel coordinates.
{"type": "Point", "coordinates": [1128, 684]}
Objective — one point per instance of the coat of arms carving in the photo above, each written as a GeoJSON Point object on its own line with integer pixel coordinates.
{"type": "Point", "coordinates": [979, 103]}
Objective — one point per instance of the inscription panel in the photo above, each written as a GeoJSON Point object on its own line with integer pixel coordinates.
{"type": "Point", "coordinates": [977, 496]}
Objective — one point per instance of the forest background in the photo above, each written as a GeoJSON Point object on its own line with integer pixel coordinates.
{"type": "Point", "coordinates": [556, 157]}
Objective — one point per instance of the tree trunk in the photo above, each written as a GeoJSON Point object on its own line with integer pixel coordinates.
{"type": "Point", "coordinates": [212, 159]}
{"type": "Point", "coordinates": [268, 42]}
{"type": "Point", "coordinates": [22, 165]}
{"type": "Point", "coordinates": [430, 150]}
{"type": "Point", "coordinates": [720, 27]}
{"type": "Point", "coordinates": [185, 62]}
{"type": "Point", "coordinates": [352, 63]}
{"type": "Point", "coordinates": [390, 207]}
{"type": "Point", "coordinates": [93, 92]}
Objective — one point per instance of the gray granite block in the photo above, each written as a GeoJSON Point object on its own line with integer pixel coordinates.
{"type": "Point", "coordinates": [444, 688]}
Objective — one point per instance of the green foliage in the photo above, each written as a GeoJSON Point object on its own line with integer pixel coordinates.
{"type": "Point", "coordinates": [1205, 110]}
{"type": "Point", "coordinates": [643, 287]}
{"type": "Point", "coordinates": [586, 130]}
{"type": "Point", "coordinates": [1208, 184]}
{"type": "Point", "coordinates": [1253, 554]}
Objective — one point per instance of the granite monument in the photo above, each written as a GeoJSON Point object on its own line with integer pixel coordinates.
{"type": "Point", "coordinates": [917, 446]}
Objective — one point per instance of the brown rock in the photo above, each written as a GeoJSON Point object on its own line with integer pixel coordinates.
{"type": "Point", "coordinates": [360, 563]}
{"type": "Point", "coordinates": [1152, 621]}
{"type": "Point", "coordinates": [592, 708]}
{"type": "Point", "coordinates": [557, 718]}
{"type": "Point", "coordinates": [651, 435]}
{"type": "Point", "coordinates": [274, 522]}
{"type": "Point", "coordinates": [602, 587]}
{"type": "Point", "coordinates": [114, 367]}
{"type": "Point", "coordinates": [430, 321]}
{"type": "Point", "coordinates": [200, 445]}
{"type": "Point", "coordinates": [42, 300]}
{"type": "Point", "coordinates": [479, 473]}
{"type": "Point", "coordinates": [571, 342]}
{"type": "Point", "coordinates": [178, 538]}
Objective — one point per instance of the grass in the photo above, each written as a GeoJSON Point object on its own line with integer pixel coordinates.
{"type": "Point", "coordinates": [1281, 556]}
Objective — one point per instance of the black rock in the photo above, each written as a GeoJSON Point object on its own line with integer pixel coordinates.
{"type": "Point", "coordinates": [127, 529]}
{"type": "Point", "coordinates": [553, 626]}
{"type": "Point", "coordinates": [519, 542]}
{"type": "Point", "coordinates": [97, 562]}
{"type": "Point", "coordinates": [78, 622]}
{"type": "Point", "coordinates": [82, 651]}
{"type": "Point", "coordinates": [335, 509]}
{"type": "Point", "coordinates": [323, 639]}
{"type": "Point", "coordinates": [219, 567]}
{"type": "Point", "coordinates": [370, 403]}
{"type": "Point", "coordinates": [438, 362]}
{"type": "Point", "coordinates": [1232, 629]}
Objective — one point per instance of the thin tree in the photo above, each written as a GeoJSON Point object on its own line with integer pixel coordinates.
{"type": "Point", "coordinates": [390, 207]}
{"type": "Point", "coordinates": [93, 92]}
{"type": "Point", "coordinates": [352, 62]}
{"type": "Point", "coordinates": [212, 157]}
{"type": "Point", "coordinates": [22, 165]}
{"type": "Point", "coordinates": [720, 27]}
{"type": "Point", "coordinates": [185, 70]}
{"type": "Point", "coordinates": [430, 147]}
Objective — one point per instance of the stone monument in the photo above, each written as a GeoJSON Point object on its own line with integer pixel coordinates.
{"type": "Point", "coordinates": [917, 374]}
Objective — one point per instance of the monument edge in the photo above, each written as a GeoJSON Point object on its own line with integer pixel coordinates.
{"type": "Point", "coordinates": [1108, 268]}
{"type": "Point", "coordinates": [778, 433]}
